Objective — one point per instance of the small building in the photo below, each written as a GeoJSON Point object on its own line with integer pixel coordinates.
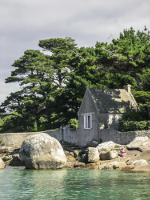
{"type": "Point", "coordinates": [101, 109]}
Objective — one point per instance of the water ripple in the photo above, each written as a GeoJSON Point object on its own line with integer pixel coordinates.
{"type": "Point", "coordinates": [17, 184]}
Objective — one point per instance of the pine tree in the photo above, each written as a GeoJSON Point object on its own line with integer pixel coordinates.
{"type": "Point", "coordinates": [33, 72]}
{"type": "Point", "coordinates": [60, 49]}
{"type": "Point", "coordinates": [127, 55]}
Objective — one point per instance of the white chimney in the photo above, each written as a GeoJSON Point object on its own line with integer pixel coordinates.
{"type": "Point", "coordinates": [127, 88]}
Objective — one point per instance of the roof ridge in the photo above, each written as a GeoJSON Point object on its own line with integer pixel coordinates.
{"type": "Point", "coordinates": [107, 88]}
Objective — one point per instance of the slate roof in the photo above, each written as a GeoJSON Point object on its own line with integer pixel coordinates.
{"type": "Point", "coordinates": [113, 100]}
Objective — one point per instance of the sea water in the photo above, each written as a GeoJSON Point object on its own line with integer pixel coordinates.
{"type": "Point", "coordinates": [17, 183]}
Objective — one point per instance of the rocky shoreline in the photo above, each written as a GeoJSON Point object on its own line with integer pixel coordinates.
{"type": "Point", "coordinates": [126, 163]}
{"type": "Point", "coordinates": [101, 157]}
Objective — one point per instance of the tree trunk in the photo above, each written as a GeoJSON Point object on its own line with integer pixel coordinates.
{"type": "Point", "coordinates": [138, 80]}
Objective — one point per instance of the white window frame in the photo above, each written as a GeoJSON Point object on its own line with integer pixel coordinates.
{"type": "Point", "coordinates": [87, 120]}
{"type": "Point", "coordinates": [110, 119]}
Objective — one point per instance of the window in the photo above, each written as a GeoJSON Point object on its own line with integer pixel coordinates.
{"type": "Point", "coordinates": [110, 119]}
{"type": "Point", "coordinates": [116, 119]}
{"type": "Point", "coordinates": [87, 120]}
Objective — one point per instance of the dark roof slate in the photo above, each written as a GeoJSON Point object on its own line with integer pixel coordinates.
{"type": "Point", "coordinates": [113, 100]}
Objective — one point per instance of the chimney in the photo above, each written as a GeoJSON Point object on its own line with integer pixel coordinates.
{"type": "Point", "coordinates": [127, 88]}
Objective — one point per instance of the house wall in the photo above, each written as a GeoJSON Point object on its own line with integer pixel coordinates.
{"type": "Point", "coordinates": [103, 120]}
{"type": "Point", "coordinates": [107, 120]}
{"type": "Point", "coordinates": [113, 120]}
{"type": "Point", "coordinates": [86, 135]}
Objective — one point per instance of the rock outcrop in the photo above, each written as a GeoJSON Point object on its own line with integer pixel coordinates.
{"type": "Point", "coordinates": [112, 154]}
{"type": "Point", "coordinates": [107, 145]}
{"type": "Point", "coordinates": [5, 149]}
{"type": "Point", "coordinates": [103, 155]}
{"type": "Point", "coordinates": [108, 155]}
{"type": "Point", "coordinates": [93, 155]}
{"type": "Point", "coordinates": [139, 143]}
{"type": "Point", "coordinates": [114, 165]}
{"type": "Point", "coordinates": [2, 164]}
{"type": "Point", "coordinates": [92, 144]}
{"type": "Point", "coordinates": [42, 151]}
{"type": "Point", "coordinates": [140, 162]}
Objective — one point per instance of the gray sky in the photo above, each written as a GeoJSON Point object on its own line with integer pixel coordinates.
{"type": "Point", "coordinates": [24, 22]}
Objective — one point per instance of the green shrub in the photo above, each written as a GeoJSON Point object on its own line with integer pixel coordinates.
{"type": "Point", "coordinates": [124, 126]}
{"type": "Point", "coordinates": [73, 123]}
{"type": "Point", "coordinates": [2, 143]}
{"type": "Point", "coordinates": [135, 116]}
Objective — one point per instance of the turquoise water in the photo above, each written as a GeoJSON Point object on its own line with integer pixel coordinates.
{"type": "Point", "coordinates": [17, 183]}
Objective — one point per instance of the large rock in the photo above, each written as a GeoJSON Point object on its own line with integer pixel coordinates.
{"type": "Point", "coordinates": [2, 164]}
{"type": "Point", "coordinates": [103, 155]}
{"type": "Point", "coordinates": [84, 158]}
{"type": "Point", "coordinates": [5, 149]}
{"type": "Point", "coordinates": [92, 143]}
{"type": "Point", "coordinates": [140, 162]}
{"type": "Point", "coordinates": [107, 145]}
{"type": "Point", "coordinates": [93, 154]}
{"type": "Point", "coordinates": [79, 164]}
{"type": "Point", "coordinates": [70, 156]}
{"type": "Point", "coordinates": [16, 161]}
{"type": "Point", "coordinates": [7, 158]}
{"type": "Point", "coordinates": [112, 154]}
{"type": "Point", "coordinates": [12, 160]}
{"type": "Point", "coordinates": [128, 168]}
{"type": "Point", "coordinates": [110, 165]}
{"type": "Point", "coordinates": [140, 169]}
{"type": "Point", "coordinates": [113, 165]}
{"type": "Point", "coordinates": [42, 151]}
{"type": "Point", "coordinates": [77, 153]}
{"type": "Point", "coordinates": [139, 143]}
{"type": "Point", "coordinates": [138, 166]}
{"type": "Point", "coordinates": [108, 155]}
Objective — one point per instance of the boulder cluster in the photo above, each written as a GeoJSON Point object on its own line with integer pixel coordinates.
{"type": "Point", "coordinates": [107, 156]}
{"type": "Point", "coordinates": [41, 151]}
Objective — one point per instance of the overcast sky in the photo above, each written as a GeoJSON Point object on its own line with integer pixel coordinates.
{"type": "Point", "coordinates": [24, 22]}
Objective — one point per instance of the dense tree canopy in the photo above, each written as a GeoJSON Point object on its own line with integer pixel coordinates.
{"type": "Point", "coordinates": [128, 55]}
{"type": "Point", "coordinates": [53, 85]}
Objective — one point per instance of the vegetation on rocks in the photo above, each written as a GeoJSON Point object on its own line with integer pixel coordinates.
{"type": "Point", "coordinates": [2, 143]}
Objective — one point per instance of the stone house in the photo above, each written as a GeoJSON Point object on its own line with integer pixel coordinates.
{"type": "Point", "coordinates": [101, 109]}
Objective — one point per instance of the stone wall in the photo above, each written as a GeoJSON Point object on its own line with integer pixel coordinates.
{"type": "Point", "coordinates": [121, 137]}
{"type": "Point", "coordinates": [65, 134]}
{"type": "Point", "coordinates": [14, 140]}
{"type": "Point", "coordinates": [55, 133]}
{"type": "Point", "coordinates": [70, 135]}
